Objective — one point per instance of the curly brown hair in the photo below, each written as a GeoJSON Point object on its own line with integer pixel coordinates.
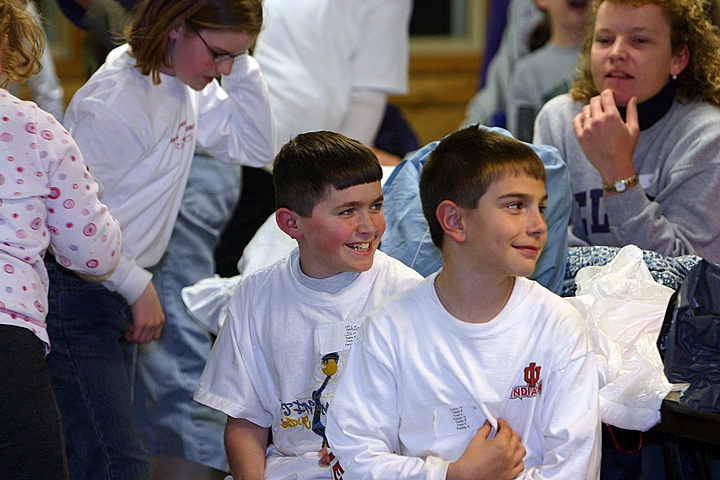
{"type": "Point", "coordinates": [148, 35]}
{"type": "Point", "coordinates": [22, 42]}
{"type": "Point", "coordinates": [690, 26]}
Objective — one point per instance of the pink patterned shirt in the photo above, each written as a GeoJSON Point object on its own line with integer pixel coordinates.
{"type": "Point", "coordinates": [47, 198]}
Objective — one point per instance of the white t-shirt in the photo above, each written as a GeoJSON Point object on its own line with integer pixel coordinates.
{"type": "Point", "coordinates": [419, 383]}
{"type": "Point", "coordinates": [279, 354]}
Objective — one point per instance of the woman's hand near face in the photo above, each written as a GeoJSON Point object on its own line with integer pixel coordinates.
{"type": "Point", "coordinates": [607, 141]}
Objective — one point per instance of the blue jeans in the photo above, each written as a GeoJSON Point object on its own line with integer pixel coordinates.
{"type": "Point", "coordinates": [169, 369]}
{"type": "Point", "coordinates": [91, 369]}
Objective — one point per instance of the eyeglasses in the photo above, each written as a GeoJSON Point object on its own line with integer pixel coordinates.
{"type": "Point", "coordinates": [218, 57]}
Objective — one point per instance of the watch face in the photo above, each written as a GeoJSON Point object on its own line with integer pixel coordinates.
{"type": "Point", "coordinates": [620, 186]}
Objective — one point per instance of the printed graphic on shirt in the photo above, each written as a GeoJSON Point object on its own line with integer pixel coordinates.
{"type": "Point", "coordinates": [329, 368]}
{"type": "Point", "coordinates": [336, 337]}
{"type": "Point", "coordinates": [533, 383]}
{"type": "Point", "coordinates": [308, 411]}
{"type": "Point", "coordinates": [591, 200]}
{"type": "Point", "coordinates": [457, 418]}
{"type": "Point", "coordinates": [184, 135]}
{"type": "Point", "coordinates": [590, 205]}
{"type": "Point", "coordinates": [337, 469]}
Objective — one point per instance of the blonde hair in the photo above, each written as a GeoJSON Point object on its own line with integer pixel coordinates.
{"type": "Point", "coordinates": [690, 26]}
{"type": "Point", "coordinates": [22, 42]}
{"type": "Point", "coordinates": [148, 35]}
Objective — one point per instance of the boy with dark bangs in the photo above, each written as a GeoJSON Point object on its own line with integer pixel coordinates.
{"type": "Point", "coordinates": [275, 364]}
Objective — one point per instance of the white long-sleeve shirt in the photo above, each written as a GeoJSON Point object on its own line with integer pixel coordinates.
{"type": "Point", "coordinates": [139, 139]}
{"type": "Point", "coordinates": [419, 383]}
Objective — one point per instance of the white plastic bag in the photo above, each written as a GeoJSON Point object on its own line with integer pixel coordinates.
{"type": "Point", "coordinates": [624, 309]}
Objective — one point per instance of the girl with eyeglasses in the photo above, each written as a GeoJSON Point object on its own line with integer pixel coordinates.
{"type": "Point", "coordinates": [138, 120]}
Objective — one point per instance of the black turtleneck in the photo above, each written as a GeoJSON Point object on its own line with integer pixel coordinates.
{"type": "Point", "coordinates": [653, 109]}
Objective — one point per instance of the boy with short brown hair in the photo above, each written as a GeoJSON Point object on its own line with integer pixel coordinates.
{"type": "Point", "coordinates": [476, 346]}
{"type": "Point", "coordinates": [275, 364]}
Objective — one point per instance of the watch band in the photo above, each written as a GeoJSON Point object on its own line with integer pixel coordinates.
{"type": "Point", "coordinates": [621, 185]}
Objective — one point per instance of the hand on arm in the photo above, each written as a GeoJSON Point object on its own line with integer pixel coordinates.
{"type": "Point", "coordinates": [498, 458]}
{"type": "Point", "coordinates": [245, 444]}
{"type": "Point", "coordinates": [607, 141]}
{"type": "Point", "coordinates": [148, 317]}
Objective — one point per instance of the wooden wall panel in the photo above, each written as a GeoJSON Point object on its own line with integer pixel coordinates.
{"type": "Point", "coordinates": [439, 89]}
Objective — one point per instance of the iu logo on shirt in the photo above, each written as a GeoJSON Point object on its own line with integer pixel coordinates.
{"type": "Point", "coordinates": [533, 387]}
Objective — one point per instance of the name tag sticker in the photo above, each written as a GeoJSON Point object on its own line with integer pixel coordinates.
{"type": "Point", "coordinates": [336, 337]}
{"type": "Point", "coordinates": [459, 418]}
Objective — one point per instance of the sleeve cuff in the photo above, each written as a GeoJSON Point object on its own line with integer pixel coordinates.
{"type": "Point", "coordinates": [626, 205]}
{"type": "Point", "coordinates": [129, 280]}
{"type": "Point", "coordinates": [437, 467]}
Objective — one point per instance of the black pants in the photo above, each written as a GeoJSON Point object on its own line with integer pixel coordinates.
{"type": "Point", "coordinates": [31, 439]}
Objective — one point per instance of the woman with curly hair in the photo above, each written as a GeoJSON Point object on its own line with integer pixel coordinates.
{"type": "Point", "coordinates": [639, 129]}
{"type": "Point", "coordinates": [639, 133]}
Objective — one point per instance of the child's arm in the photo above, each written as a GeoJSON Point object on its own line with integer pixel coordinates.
{"type": "Point", "coordinates": [85, 237]}
{"type": "Point", "coordinates": [571, 415]}
{"type": "Point", "coordinates": [572, 432]}
{"type": "Point", "coordinates": [235, 121]}
{"type": "Point", "coordinates": [245, 444]}
{"type": "Point", "coordinates": [498, 458]}
{"type": "Point", "coordinates": [495, 459]}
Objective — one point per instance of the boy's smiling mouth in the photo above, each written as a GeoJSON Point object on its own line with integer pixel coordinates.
{"type": "Point", "coordinates": [529, 249]}
{"type": "Point", "coordinates": [359, 247]}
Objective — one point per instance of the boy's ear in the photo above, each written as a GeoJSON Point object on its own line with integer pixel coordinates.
{"type": "Point", "coordinates": [287, 221]}
{"type": "Point", "coordinates": [449, 214]}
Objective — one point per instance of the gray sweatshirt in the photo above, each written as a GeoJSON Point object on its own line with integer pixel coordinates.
{"type": "Point", "coordinates": [676, 208]}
